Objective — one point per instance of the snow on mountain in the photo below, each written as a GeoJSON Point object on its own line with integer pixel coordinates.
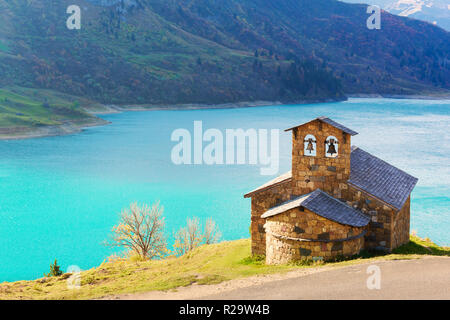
{"type": "Point", "coordinates": [408, 7]}
{"type": "Point", "coordinates": [434, 11]}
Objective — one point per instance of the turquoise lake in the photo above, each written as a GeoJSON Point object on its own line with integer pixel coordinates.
{"type": "Point", "coordinates": [60, 196]}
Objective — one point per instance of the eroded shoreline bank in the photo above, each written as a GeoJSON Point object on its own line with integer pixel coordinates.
{"type": "Point", "coordinates": [68, 127]}
{"type": "Point", "coordinates": [71, 127]}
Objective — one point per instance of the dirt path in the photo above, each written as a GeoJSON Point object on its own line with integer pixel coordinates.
{"type": "Point", "coordinates": [426, 278]}
{"type": "Point", "coordinates": [196, 291]}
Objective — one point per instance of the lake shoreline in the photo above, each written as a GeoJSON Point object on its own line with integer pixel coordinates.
{"type": "Point", "coordinates": [400, 96]}
{"type": "Point", "coordinates": [70, 127]}
{"type": "Point", "coordinates": [202, 106]}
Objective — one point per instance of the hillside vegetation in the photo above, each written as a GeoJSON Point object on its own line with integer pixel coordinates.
{"type": "Point", "coordinates": [23, 109]}
{"type": "Point", "coordinates": [202, 51]}
{"type": "Point", "coordinates": [208, 264]}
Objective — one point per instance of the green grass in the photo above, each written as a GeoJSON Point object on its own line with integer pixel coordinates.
{"type": "Point", "coordinates": [28, 108]}
{"type": "Point", "coordinates": [422, 246]}
{"type": "Point", "coordinates": [207, 265]}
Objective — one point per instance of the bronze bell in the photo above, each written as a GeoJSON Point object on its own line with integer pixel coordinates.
{"type": "Point", "coordinates": [331, 147]}
{"type": "Point", "coordinates": [310, 146]}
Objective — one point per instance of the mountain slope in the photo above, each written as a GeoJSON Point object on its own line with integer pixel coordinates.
{"type": "Point", "coordinates": [403, 54]}
{"type": "Point", "coordinates": [205, 51]}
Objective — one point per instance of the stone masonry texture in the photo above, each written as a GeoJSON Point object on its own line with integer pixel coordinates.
{"type": "Point", "coordinates": [388, 228]}
{"type": "Point", "coordinates": [306, 225]}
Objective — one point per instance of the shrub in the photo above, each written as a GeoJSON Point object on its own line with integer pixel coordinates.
{"type": "Point", "coordinates": [54, 270]}
{"type": "Point", "coordinates": [192, 236]}
{"type": "Point", "coordinates": [211, 233]}
{"type": "Point", "coordinates": [258, 260]}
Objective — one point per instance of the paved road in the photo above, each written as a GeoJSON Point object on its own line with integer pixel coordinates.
{"type": "Point", "coordinates": [427, 278]}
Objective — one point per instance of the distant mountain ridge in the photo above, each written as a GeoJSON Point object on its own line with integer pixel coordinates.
{"type": "Point", "coordinates": [205, 51]}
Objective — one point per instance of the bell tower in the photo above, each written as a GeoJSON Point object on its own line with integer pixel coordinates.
{"type": "Point", "coordinates": [321, 157]}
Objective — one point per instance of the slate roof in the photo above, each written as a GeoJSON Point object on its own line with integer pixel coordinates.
{"type": "Point", "coordinates": [271, 183]}
{"type": "Point", "coordinates": [370, 174]}
{"type": "Point", "coordinates": [338, 125]}
{"type": "Point", "coordinates": [325, 206]}
{"type": "Point", "coordinates": [331, 123]}
{"type": "Point", "coordinates": [380, 179]}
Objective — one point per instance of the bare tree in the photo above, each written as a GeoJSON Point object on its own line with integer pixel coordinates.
{"type": "Point", "coordinates": [141, 229]}
{"type": "Point", "coordinates": [194, 230]}
{"type": "Point", "coordinates": [188, 237]}
{"type": "Point", "coordinates": [181, 245]}
{"type": "Point", "coordinates": [191, 236]}
{"type": "Point", "coordinates": [211, 234]}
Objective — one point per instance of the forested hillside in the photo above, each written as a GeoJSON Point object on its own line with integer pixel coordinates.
{"type": "Point", "coordinates": [208, 51]}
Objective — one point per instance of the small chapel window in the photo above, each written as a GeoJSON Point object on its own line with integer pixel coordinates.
{"type": "Point", "coordinates": [310, 143]}
{"type": "Point", "coordinates": [331, 147]}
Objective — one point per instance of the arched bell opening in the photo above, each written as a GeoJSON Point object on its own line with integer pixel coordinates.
{"type": "Point", "coordinates": [310, 146]}
{"type": "Point", "coordinates": [331, 147]}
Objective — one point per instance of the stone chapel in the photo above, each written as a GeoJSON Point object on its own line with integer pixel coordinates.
{"type": "Point", "coordinates": [336, 200]}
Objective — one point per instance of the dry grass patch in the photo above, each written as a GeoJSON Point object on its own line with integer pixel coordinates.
{"type": "Point", "coordinates": [209, 264]}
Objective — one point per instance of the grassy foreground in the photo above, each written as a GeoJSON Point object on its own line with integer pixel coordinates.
{"type": "Point", "coordinates": [206, 265]}
{"type": "Point", "coordinates": [22, 108]}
